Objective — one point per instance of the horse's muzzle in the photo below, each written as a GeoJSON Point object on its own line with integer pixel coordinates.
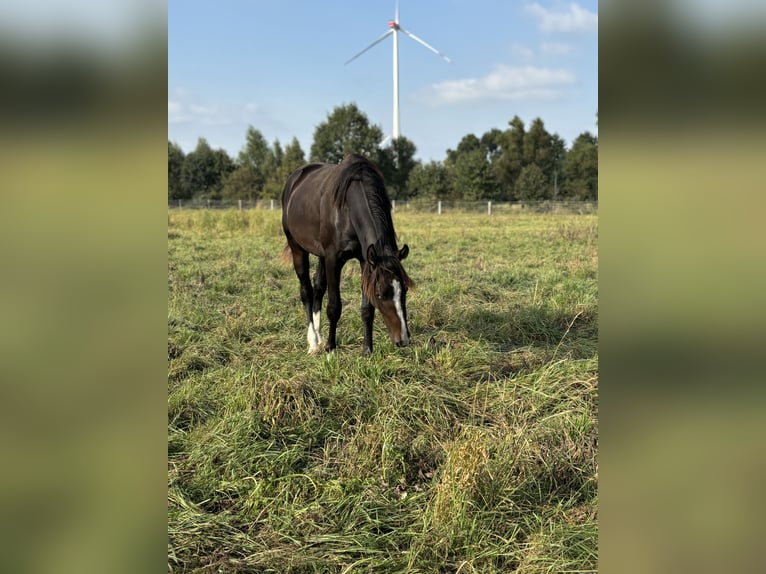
{"type": "Point", "coordinates": [402, 343]}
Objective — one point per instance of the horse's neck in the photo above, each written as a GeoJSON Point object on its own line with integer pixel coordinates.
{"type": "Point", "coordinates": [369, 222]}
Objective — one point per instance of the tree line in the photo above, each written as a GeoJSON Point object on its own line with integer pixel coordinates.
{"type": "Point", "coordinates": [518, 163]}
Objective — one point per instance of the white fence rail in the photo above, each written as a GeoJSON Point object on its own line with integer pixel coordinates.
{"type": "Point", "coordinates": [419, 206]}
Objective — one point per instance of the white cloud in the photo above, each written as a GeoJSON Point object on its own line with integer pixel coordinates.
{"type": "Point", "coordinates": [177, 113]}
{"type": "Point", "coordinates": [523, 52]}
{"type": "Point", "coordinates": [556, 49]}
{"type": "Point", "coordinates": [202, 110]}
{"type": "Point", "coordinates": [503, 83]}
{"type": "Point", "coordinates": [181, 110]}
{"type": "Point", "coordinates": [575, 19]}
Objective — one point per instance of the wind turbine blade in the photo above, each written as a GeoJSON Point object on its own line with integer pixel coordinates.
{"type": "Point", "coordinates": [378, 41]}
{"type": "Point", "coordinates": [424, 43]}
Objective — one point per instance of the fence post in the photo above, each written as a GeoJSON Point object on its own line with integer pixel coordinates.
{"type": "Point", "coordinates": [240, 205]}
{"type": "Point", "coordinates": [208, 204]}
{"type": "Point", "coordinates": [179, 204]}
{"type": "Point", "coordinates": [439, 207]}
{"type": "Point", "coordinates": [489, 208]}
{"type": "Point", "coordinates": [272, 205]}
{"type": "Point", "coordinates": [393, 205]}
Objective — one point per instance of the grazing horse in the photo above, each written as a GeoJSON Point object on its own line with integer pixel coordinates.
{"type": "Point", "coordinates": [341, 212]}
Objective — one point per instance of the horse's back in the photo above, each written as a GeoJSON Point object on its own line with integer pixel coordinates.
{"type": "Point", "coordinates": [301, 204]}
{"type": "Point", "coordinates": [295, 179]}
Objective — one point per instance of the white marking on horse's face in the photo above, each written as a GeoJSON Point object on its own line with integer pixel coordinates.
{"type": "Point", "coordinates": [400, 310]}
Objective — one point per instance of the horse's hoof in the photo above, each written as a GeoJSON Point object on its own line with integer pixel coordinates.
{"type": "Point", "coordinates": [366, 352]}
{"type": "Point", "coordinates": [315, 350]}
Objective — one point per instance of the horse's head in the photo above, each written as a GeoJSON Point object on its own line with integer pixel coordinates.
{"type": "Point", "coordinates": [385, 284]}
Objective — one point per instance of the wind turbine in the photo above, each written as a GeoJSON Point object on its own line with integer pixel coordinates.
{"type": "Point", "coordinates": [393, 30]}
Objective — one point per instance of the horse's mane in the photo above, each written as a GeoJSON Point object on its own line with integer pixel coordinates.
{"type": "Point", "coordinates": [373, 278]}
{"type": "Point", "coordinates": [357, 168]}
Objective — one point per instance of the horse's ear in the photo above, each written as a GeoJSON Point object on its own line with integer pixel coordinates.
{"type": "Point", "coordinates": [404, 252]}
{"type": "Point", "coordinates": [372, 256]}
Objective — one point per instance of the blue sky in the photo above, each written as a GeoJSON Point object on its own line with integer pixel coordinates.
{"type": "Point", "coordinates": [279, 66]}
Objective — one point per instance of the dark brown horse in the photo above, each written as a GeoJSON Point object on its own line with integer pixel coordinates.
{"type": "Point", "coordinates": [341, 212]}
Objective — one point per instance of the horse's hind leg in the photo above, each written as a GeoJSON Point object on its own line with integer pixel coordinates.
{"type": "Point", "coordinates": [320, 286]}
{"type": "Point", "coordinates": [302, 270]}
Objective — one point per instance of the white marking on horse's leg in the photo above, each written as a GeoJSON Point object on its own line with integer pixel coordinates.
{"type": "Point", "coordinates": [317, 321]}
{"type": "Point", "coordinates": [313, 333]}
{"type": "Point", "coordinates": [312, 338]}
{"type": "Point", "coordinates": [399, 311]}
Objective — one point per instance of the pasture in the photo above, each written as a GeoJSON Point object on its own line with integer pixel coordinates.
{"type": "Point", "coordinates": [472, 450]}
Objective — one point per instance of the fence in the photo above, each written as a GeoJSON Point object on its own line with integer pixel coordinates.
{"type": "Point", "coordinates": [414, 206]}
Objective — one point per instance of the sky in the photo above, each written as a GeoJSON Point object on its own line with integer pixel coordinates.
{"type": "Point", "coordinates": [279, 67]}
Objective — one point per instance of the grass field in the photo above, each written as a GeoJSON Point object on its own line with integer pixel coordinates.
{"type": "Point", "coordinates": [472, 450]}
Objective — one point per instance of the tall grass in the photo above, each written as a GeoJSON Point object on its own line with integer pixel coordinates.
{"type": "Point", "coordinates": [472, 450]}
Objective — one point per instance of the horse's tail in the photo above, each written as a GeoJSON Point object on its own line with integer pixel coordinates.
{"type": "Point", "coordinates": [286, 257]}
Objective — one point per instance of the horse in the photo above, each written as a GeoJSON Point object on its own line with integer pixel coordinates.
{"type": "Point", "coordinates": [339, 212]}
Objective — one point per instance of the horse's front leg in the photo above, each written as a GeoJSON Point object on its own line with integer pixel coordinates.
{"type": "Point", "coordinates": [320, 286]}
{"type": "Point", "coordinates": [333, 268]}
{"type": "Point", "coordinates": [301, 265]}
{"type": "Point", "coordinates": [368, 315]}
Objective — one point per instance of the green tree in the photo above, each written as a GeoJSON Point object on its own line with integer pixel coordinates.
{"type": "Point", "coordinates": [346, 130]}
{"type": "Point", "coordinates": [255, 152]}
{"type": "Point", "coordinates": [471, 176]}
{"type": "Point", "coordinates": [273, 186]}
{"type": "Point", "coordinates": [257, 155]}
{"type": "Point", "coordinates": [470, 172]}
{"type": "Point", "coordinates": [538, 148]}
{"type": "Point", "coordinates": [558, 153]}
{"type": "Point", "coordinates": [430, 181]}
{"type": "Point", "coordinates": [492, 143]}
{"type": "Point", "coordinates": [263, 165]}
{"type": "Point", "coordinates": [508, 166]}
{"type": "Point", "coordinates": [277, 153]}
{"type": "Point", "coordinates": [290, 159]}
{"type": "Point", "coordinates": [223, 165]}
{"type": "Point", "coordinates": [467, 144]}
{"type": "Point", "coordinates": [243, 183]}
{"type": "Point", "coordinates": [272, 162]}
{"type": "Point", "coordinates": [532, 183]}
{"type": "Point", "coordinates": [176, 157]}
{"type": "Point", "coordinates": [199, 175]}
{"type": "Point", "coordinates": [396, 163]}
{"type": "Point", "coordinates": [581, 168]}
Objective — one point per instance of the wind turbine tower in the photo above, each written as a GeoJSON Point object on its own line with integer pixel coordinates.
{"type": "Point", "coordinates": [393, 30]}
